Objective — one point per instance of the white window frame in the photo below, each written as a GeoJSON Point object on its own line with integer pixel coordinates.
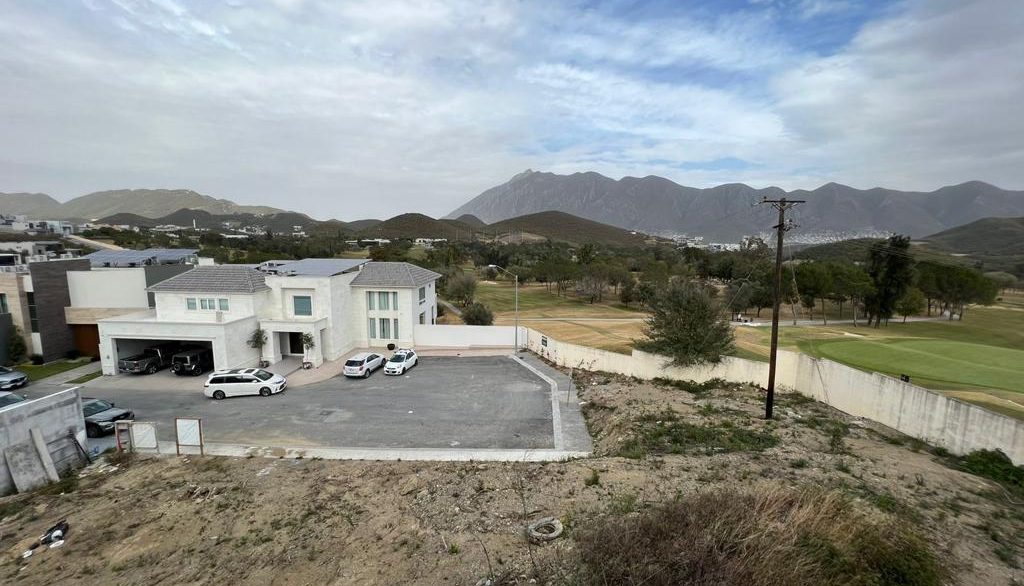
{"type": "Point", "coordinates": [296, 313]}
{"type": "Point", "coordinates": [223, 304]}
{"type": "Point", "coordinates": [372, 329]}
{"type": "Point", "coordinates": [191, 304]}
{"type": "Point", "coordinates": [370, 298]}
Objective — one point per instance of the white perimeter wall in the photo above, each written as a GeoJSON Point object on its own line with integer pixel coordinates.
{"type": "Point", "coordinates": [110, 288]}
{"type": "Point", "coordinates": [937, 419]}
{"type": "Point", "coordinates": [459, 336]}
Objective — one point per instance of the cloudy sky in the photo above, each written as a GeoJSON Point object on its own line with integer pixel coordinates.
{"type": "Point", "coordinates": [356, 109]}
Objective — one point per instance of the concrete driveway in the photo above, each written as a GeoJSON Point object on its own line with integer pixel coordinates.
{"type": "Point", "coordinates": [479, 402]}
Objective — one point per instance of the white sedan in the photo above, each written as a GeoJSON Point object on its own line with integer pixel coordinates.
{"type": "Point", "coordinates": [402, 361]}
{"type": "Point", "coordinates": [243, 381]}
{"type": "Point", "coordinates": [363, 364]}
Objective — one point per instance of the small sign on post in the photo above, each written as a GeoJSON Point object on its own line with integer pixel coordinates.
{"type": "Point", "coordinates": [188, 433]}
{"type": "Point", "coordinates": [123, 435]}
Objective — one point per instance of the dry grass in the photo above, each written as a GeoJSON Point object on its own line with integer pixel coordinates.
{"type": "Point", "coordinates": [776, 536]}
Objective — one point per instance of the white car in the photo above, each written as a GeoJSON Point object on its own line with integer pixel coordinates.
{"type": "Point", "coordinates": [403, 360]}
{"type": "Point", "coordinates": [243, 381]}
{"type": "Point", "coordinates": [363, 364]}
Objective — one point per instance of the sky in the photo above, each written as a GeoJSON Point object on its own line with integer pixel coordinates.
{"type": "Point", "coordinates": [354, 109]}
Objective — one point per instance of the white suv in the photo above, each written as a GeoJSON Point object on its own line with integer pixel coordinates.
{"type": "Point", "coordinates": [363, 364]}
{"type": "Point", "coordinates": [243, 381]}
{"type": "Point", "coordinates": [403, 360]}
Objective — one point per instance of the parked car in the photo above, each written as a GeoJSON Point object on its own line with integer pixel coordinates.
{"type": "Point", "coordinates": [243, 381]}
{"type": "Point", "coordinates": [9, 398]}
{"type": "Point", "coordinates": [401, 361]}
{"type": "Point", "coordinates": [12, 379]}
{"type": "Point", "coordinates": [363, 364]}
{"type": "Point", "coordinates": [100, 416]}
{"type": "Point", "coordinates": [151, 359]}
{"type": "Point", "coordinates": [193, 361]}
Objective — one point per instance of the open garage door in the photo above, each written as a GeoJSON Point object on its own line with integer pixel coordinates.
{"type": "Point", "coordinates": [156, 356]}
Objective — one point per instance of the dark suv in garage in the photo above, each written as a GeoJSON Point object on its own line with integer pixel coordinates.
{"type": "Point", "coordinates": [152, 359]}
{"type": "Point", "coordinates": [192, 361]}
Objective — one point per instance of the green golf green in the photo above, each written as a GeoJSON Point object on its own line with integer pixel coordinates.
{"type": "Point", "coordinates": [940, 362]}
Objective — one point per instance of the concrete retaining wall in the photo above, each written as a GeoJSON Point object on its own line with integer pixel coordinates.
{"type": "Point", "coordinates": [55, 416]}
{"type": "Point", "coordinates": [460, 336]}
{"type": "Point", "coordinates": [933, 417]}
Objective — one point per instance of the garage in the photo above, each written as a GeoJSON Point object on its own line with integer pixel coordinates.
{"type": "Point", "coordinates": [129, 347]}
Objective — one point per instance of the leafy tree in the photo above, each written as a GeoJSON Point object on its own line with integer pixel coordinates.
{"type": "Point", "coordinates": [815, 282]}
{"type": "Point", "coordinates": [1003, 280]}
{"type": "Point", "coordinates": [461, 288]}
{"type": "Point", "coordinates": [16, 348]}
{"type": "Point", "coordinates": [393, 252]}
{"type": "Point", "coordinates": [627, 294]}
{"type": "Point", "coordinates": [477, 314]}
{"type": "Point", "coordinates": [912, 303]}
{"type": "Point", "coordinates": [891, 269]}
{"type": "Point", "coordinates": [687, 325]}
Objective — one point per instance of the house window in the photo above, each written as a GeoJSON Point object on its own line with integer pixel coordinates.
{"type": "Point", "coordinates": [373, 328]}
{"type": "Point", "coordinates": [208, 303]}
{"type": "Point", "coordinates": [396, 328]}
{"type": "Point", "coordinates": [423, 317]}
{"type": "Point", "coordinates": [222, 304]}
{"type": "Point", "coordinates": [33, 317]}
{"type": "Point", "coordinates": [303, 305]}
{"type": "Point", "coordinates": [423, 294]}
{"type": "Point", "coordinates": [190, 303]}
{"type": "Point", "coordinates": [383, 300]}
{"type": "Point", "coordinates": [3, 303]}
{"type": "Point", "coordinates": [385, 328]}
{"type": "Point", "coordinates": [370, 297]}
{"type": "Point", "coordinates": [394, 300]}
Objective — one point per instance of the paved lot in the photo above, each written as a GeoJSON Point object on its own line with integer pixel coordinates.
{"type": "Point", "coordinates": [489, 402]}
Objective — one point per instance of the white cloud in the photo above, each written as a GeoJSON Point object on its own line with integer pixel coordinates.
{"type": "Point", "coordinates": [367, 108]}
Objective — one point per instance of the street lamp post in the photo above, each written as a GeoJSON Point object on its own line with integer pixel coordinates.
{"type": "Point", "coordinates": [516, 277]}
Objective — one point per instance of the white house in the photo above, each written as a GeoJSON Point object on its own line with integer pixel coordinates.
{"type": "Point", "coordinates": [341, 304]}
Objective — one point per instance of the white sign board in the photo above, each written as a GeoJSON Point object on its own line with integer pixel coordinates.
{"type": "Point", "coordinates": [144, 436]}
{"type": "Point", "coordinates": [188, 433]}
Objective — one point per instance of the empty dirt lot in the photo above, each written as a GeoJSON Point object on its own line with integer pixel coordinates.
{"type": "Point", "coordinates": [266, 521]}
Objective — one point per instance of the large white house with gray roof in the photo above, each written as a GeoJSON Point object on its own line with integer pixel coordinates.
{"type": "Point", "coordinates": [342, 304]}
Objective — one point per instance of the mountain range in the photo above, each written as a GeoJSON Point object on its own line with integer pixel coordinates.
{"type": "Point", "coordinates": [656, 205]}
{"type": "Point", "coordinates": [150, 203]}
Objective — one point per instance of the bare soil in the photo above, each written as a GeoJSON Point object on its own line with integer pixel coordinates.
{"type": "Point", "coordinates": [195, 520]}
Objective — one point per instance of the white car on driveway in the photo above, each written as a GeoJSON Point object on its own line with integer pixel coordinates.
{"type": "Point", "coordinates": [243, 381]}
{"type": "Point", "coordinates": [363, 364]}
{"type": "Point", "coordinates": [403, 360]}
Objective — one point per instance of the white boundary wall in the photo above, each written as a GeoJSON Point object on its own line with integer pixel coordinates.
{"type": "Point", "coordinates": [460, 336]}
{"type": "Point", "coordinates": [933, 417]}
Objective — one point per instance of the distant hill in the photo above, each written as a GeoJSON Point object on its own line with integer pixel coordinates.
{"type": "Point", "coordinates": [277, 222]}
{"type": "Point", "coordinates": [656, 205]}
{"type": "Point", "coordinates": [360, 225]}
{"type": "Point", "coordinates": [417, 226]}
{"type": "Point", "coordinates": [38, 205]}
{"type": "Point", "coordinates": [562, 227]}
{"type": "Point", "coordinates": [150, 203]}
{"type": "Point", "coordinates": [471, 220]}
{"type": "Point", "coordinates": [987, 236]}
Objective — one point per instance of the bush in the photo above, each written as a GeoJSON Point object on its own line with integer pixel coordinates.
{"type": "Point", "coordinates": [460, 289]}
{"type": "Point", "coordinates": [783, 537]}
{"type": "Point", "coordinates": [996, 466]}
{"type": "Point", "coordinates": [687, 326]}
{"type": "Point", "coordinates": [37, 359]}
{"type": "Point", "coordinates": [477, 314]}
{"type": "Point", "coordinates": [16, 348]}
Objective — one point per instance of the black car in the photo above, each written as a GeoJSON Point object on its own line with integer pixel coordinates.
{"type": "Point", "coordinates": [192, 361]}
{"type": "Point", "coordinates": [100, 416]}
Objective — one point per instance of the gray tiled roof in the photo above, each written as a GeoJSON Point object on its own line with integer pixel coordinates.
{"type": "Point", "coordinates": [214, 279]}
{"type": "Point", "coordinates": [393, 274]}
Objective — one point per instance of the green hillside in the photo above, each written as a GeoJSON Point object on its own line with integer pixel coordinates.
{"type": "Point", "coordinates": [564, 227]}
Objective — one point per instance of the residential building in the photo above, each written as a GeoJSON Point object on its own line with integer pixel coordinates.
{"type": "Point", "coordinates": [139, 258]}
{"type": "Point", "coordinates": [338, 304]}
{"type": "Point", "coordinates": [36, 299]}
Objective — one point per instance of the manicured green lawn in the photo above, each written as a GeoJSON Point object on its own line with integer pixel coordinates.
{"type": "Point", "coordinates": [931, 362]}
{"type": "Point", "coordinates": [37, 372]}
{"type": "Point", "coordinates": [86, 378]}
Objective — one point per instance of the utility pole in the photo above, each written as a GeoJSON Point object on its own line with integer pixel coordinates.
{"type": "Point", "coordinates": [780, 229]}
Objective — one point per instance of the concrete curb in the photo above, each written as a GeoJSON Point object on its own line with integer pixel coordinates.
{"type": "Point", "coordinates": [380, 454]}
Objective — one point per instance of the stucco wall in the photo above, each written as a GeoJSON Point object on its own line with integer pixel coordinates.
{"type": "Point", "coordinates": [108, 288]}
{"type": "Point", "coordinates": [918, 412]}
{"type": "Point", "coordinates": [459, 336]}
{"type": "Point", "coordinates": [54, 416]}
